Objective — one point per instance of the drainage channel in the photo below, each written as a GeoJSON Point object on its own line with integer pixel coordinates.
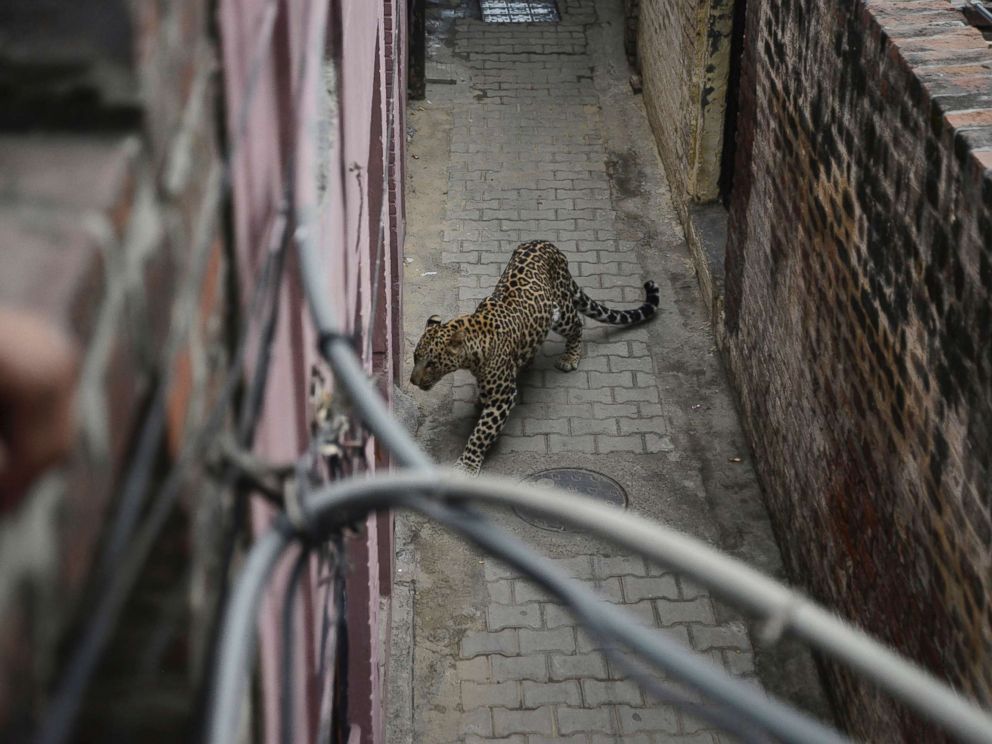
{"type": "Point", "coordinates": [519, 11]}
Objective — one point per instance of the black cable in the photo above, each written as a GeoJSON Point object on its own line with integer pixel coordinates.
{"type": "Point", "coordinates": [433, 495]}
{"type": "Point", "coordinates": [288, 656]}
{"type": "Point", "coordinates": [114, 590]}
{"type": "Point", "coordinates": [150, 438]}
{"type": "Point", "coordinates": [244, 437]}
{"type": "Point", "coordinates": [478, 530]}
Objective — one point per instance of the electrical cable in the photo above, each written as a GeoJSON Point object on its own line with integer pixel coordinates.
{"type": "Point", "coordinates": [337, 505]}
{"type": "Point", "coordinates": [605, 622]}
{"type": "Point", "coordinates": [150, 438]}
{"type": "Point", "coordinates": [128, 549]}
{"type": "Point", "coordinates": [112, 584]}
{"type": "Point", "coordinates": [782, 608]}
{"type": "Point", "coordinates": [286, 717]}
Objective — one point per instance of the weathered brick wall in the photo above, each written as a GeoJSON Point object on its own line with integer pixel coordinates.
{"type": "Point", "coordinates": [669, 80]}
{"type": "Point", "coordinates": [859, 323]}
{"type": "Point", "coordinates": [683, 47]}
{"type": "Point", "coordinates": [109, 229]}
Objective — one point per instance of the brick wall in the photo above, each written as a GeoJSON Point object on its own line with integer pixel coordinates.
{"type": "Point", "coordinates": [859, 323]}
{"type": "Point", "coordinates": [109, 225]}
{"type": "Point", "coordinates": [121, 226]}
{"type": "Point", "coordinates": [684, 54]}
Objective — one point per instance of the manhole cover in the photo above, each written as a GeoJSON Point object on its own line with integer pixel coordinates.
{"type": "Point", "coordinates": [584, 482]}
{"type": "Point", "coordinates": [519, 11]}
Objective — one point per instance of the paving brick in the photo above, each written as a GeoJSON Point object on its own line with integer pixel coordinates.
{"type": "Point", "coordinates": [520, 667]}
{"type": "Point", "coordinates": [642, 612]}
{"type": "Point", "coordinates": [634, 364]}
{"type": "Point", "coordinates": [607, 692]}
{"type": "Point", "coordinates": [604, 566]}
{"type": "Point", "coordinates": [546, 426]}
{"type": "Point", "coordinates": [476, 695]}
{"type": "Point", "coordinates": [584, 643]}
{"type": "Point", "coordinates": [579, 567]}
{"type": "Point", "coordinates": [732, 635]}
{"type": "Point", "coordinates": [634, 720]}
{"type": "Point", "coordinates": [615, 410]}
{"type": "Point", "coordinates": [637, 588]}
{"type": "Point", "coordinates": [535, 394]}
{"type": "Point", "coordinates": [645, 380]}
{"type": "Point", "coordinates": [643, 425]}
{"type": "Point", "coordinates": [590, 665]}
{"type": "Point", "coordinates": [478, 721]}
{"type": "Point", "coordinates": [475, 669]}
{"type": "Point", "coordinates": [678, 633]}
{"type": "Point", "coordinates": [738, 662]}
{"type": "Point", "coordinates": [513, 616]}
{"type": "Point", "coordinates": [687, 588]}
{"type": "Point", "coordinates": [557, 639]}
{"type": "Point", "coordinates": [594, 426]}
{"type": "Point", "coordinates": [599, 395]}
{"type": "Point", "coordinates": [626, 395]}
{"type": "Point", "coordinates": [698, 610]}
{"type": "Point", "coordinates": [571, 442]}
{"type": "Point", "coordinates": [525, 591]}
{"type": "Point", "coordinates": [631, 739]}
{"type": "Point", "coordinates": [572, 720]}
{"type": "Point", "coordinates": [610, 379]}
{"type": "Point", "coordinates": [628, 443]}
{"type": "Point", "coordinates": [610, 589]}
{"type": "Point", "coordinates": [536, 721]}
{"type": "Point", "coordinates": [575, 380]}
{"type": "Point", "coordinates": [517, 443]}
{"type": "Point", "coordinates": [476, 643]}
{"type": "Point", "coordinates": [500, 592]}
{"type": "Point", "coordinates": [654, 442]}
{"type": "Point", "coordinates": [551, 693]}
{"type": "Point", "coordinates": [615, 348]}
{"type": "Point", "coordinates": [556, 616]}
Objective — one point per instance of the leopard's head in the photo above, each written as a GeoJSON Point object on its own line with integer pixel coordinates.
{"type": "Point", "coordinates": [441, 350]}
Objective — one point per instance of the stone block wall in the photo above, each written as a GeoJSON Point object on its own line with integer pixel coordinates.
{"type": "Point", "coordinates": [859, 323]}
{"type": "Point", "coordinates": [110, 231]}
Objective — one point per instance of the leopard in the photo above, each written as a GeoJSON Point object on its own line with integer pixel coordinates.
{"type": "Point", "coordinates": [534, 295]}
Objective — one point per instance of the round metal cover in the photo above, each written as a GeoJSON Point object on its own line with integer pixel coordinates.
{"type": "Point", "coordinates": [586, 482]}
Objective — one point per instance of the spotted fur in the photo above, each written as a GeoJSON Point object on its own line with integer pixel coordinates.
{"type": "Point", "coordinates": [535, 294]}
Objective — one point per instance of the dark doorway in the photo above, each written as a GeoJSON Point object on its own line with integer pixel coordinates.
{"type": "Point", "coordinates": [726, 182]}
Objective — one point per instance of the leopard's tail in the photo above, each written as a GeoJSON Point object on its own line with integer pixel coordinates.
{"type": "Point", "coordinates": [592, 309]}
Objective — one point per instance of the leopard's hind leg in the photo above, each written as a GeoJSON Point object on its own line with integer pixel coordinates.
{"type": "Point", "coordinates": [569, 325]}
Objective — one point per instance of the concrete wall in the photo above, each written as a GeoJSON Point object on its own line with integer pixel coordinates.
{"type": "Point", "coordinates": [124, 236]}
{"type": "Point", "coordinates": [859, 323]}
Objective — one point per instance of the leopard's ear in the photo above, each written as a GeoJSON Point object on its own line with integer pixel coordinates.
{"type": "Point", "coordinates": [433, 320]}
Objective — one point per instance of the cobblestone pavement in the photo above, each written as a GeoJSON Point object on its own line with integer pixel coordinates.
{"type": "Point", "coordinates": [530, 132]}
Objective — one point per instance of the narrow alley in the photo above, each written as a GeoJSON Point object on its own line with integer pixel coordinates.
{"type": "Point", "coordinates": [532, 132]}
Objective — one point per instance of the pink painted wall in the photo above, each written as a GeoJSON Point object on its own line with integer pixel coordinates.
{"type": "Point", "coordinates": [281, 116]}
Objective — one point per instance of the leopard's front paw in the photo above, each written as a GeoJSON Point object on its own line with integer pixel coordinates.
{"type": "Point", "coordinates": [466, 468]}
{"type": "Point", "coordinates": [566, 364]}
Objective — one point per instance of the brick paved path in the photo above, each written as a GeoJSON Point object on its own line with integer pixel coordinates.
{"type": "Point", "coordinates": [535, 128]}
